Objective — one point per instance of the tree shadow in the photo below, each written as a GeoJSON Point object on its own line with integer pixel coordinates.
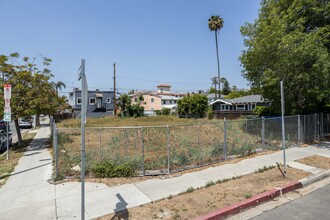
{"type": "Point", "coordinates": [121, 211]}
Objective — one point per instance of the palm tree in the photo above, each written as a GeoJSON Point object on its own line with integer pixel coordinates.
{"type": "Point", "coordinates": [215, 24]}
{"type": "Point", "coordinates": [58, 86]}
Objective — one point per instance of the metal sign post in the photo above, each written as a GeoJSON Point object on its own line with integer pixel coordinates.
{"type": "Point", "coordinates": [7, 112]}
{"type": "Point", "coordinates": [82, 77]}
{"type": "Point", "coordinates": [283, 127]}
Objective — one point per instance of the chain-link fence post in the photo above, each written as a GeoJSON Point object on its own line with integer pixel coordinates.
{"type": "Point", "coordinates": [51, 124]}
{"type": "Point", "coordinates": [56, 150]}
{"type": "Point", "coordinates": [315, 126]}
{"type": "Point", "coordinates": [321, 126]}
{"type": "Point", "coordinates": [299, 130]}
{"type": "Point", "coordinates": [304, 130]}
{"type": "Point", "coordinates": [225, 138]}
{"type": "Point", "coordinates": [263, 131]}
{"type": "Point", "coordinates": [142, 159]}
{"type": "Point", "coordinates": [168, 149]}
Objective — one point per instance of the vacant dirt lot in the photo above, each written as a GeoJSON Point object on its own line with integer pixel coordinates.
{"type": "Point", "coordinates": [195, 202]}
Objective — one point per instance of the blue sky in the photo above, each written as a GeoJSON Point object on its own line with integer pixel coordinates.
{"type": "Point", "coordinates": [151, 41]}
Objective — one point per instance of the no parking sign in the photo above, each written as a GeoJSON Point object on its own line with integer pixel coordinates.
{"type": "Point", "coordinates": [7, 96]}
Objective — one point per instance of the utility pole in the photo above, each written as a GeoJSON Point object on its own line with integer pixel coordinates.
{"type": "Point", "coordinates": [214, 81]}
{"type": "Point", "coordinates": [114, 88]}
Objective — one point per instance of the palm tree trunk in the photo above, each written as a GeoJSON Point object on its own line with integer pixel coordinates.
{"type": "Point", "coordinates": [216, 44]}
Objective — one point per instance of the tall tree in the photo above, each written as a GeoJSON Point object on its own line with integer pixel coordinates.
{"type": "Point", "coordinates": [58, 86]}
{"type": "Point", "coordinates": [215, 23]}
{"type": "Point", "coordinates": [31, 91]}
{"type": "Point", "coordinates": [124, 104]}
{"type": "Point", "coordinates": [290, 41]}
{"type": "Point", "coordinates": [225, 86]}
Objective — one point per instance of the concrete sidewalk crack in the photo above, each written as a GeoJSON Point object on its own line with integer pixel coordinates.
{"type": "Point", "coordinates": [142, 192]}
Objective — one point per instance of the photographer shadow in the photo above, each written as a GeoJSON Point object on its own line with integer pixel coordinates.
{"type": "Point", "coordinates": [121, 211]}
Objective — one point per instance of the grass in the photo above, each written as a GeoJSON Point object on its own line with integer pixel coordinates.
{"type": "Point", "coordinates": [192, 142]}
{"type": "Point", "coordinates": [15, 153]}
{"type": "Point", "coordinates": [110, 121]}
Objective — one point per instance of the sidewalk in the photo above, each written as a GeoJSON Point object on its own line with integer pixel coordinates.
{"type": "Point", "coordinates": [28, 195]}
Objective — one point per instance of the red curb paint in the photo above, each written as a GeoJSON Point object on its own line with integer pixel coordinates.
{"type": "Point", "coordinates": [291, 186]}
{"type": "Point", "coordinates": [238, 207]}
{"type": "Point", "coordinates": [251, 202]}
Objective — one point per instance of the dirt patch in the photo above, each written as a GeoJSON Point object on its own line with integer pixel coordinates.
{"type": "Point", "coordinates": [195, 202]}
{"type": "Point", "coordinates": [316, 161]}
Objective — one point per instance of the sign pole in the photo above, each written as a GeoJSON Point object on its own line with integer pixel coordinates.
{"type": "Point", "coordinates": [84, 91]}
{"type": "Point", "coordinates": [283, 128]}
{"type": "Point", "coordinates": [7, 141]}
{"type": "Point", "coordinates": [7, 112]}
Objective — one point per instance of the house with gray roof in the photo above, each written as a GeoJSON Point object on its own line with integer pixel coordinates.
{"type": "Point", "coordinates": [234, 108]}
{"type": "Point", "coordinates": [99, 103]}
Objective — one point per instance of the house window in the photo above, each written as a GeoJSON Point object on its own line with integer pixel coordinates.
{"type": "Point", "coordinates": [135, 99]}
{"type": "Point", "coordinates": [253, 106]}
{"type": "Point", "coordinates": [164, 102]}
{"type": "Point", "coordinates": [92, 101]}
{"type": "Point", "coordinates": [108, 100]}
{"type": "Point", "coordinates": [79, 101]}
{"type": "Point", "coordinates": [152, 100]}
{"type": "Point", "coordinates": [240, 107]}
{"type": "Point", "coordinates": [225, 107]}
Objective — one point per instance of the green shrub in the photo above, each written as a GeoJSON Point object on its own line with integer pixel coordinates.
{"type": "Point", "coordinates": [210, 183]}
{"type": "Point", "coordinates": [217, 150]}
{"type": "Point", "coordinates": [248, 195]}
{"type": "Point", "coordinates": [108, 169]}
{"type": "Point", "coordinates": [210, 114]}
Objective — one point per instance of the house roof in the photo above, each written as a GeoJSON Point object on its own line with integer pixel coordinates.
{"type": "Point", "coordinates": [168, 97]}
{"type": "Point", "coordinates": [221, 100]}
{"type": "Point", "coordinates": [248, 99]}
{"type": "Point", "coordinates": [243, 99]}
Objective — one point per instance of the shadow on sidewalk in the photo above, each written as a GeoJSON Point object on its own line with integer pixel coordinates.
{"type": "Point", "coordinates": [121, 211]}
{"type": "Point", "coordinates": [323, 144]}
{"type": "Point", "coordinates": [38, 144]}
{"type": "Point", "coordinates": [33, 168]}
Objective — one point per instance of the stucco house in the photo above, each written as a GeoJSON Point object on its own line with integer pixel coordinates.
{"type": "Point", "coordinates": [100, 103]}
{"type": "Point", "coordinates": [233, 108]}
{"type": "Point", "coordinates": [163, 97]}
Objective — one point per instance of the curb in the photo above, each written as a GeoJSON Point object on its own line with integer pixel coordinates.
{"type": "Point", "coordinates": [256, 200]}
{"type": "Point", "coordinates": [263, 197]}
{"type": "Point", "coordinates": [315, 178]}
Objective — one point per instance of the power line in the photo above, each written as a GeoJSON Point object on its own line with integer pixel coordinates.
{"type": "Point", "coordinates": [154, 81]}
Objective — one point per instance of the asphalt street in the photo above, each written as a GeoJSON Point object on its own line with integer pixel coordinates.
{"type": "Point", "coordinates": [315, 205]}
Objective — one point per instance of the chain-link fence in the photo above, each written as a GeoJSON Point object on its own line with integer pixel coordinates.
{"type": "Point", "coordinates": [157, 150]}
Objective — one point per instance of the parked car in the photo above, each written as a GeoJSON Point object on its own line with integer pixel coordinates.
{"type": "Point", "coordinates": [3, 140]}
{"type": "Point", "coordinates": [25, 123]}
{"type": "Point", "coordinates": [3, 125]}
